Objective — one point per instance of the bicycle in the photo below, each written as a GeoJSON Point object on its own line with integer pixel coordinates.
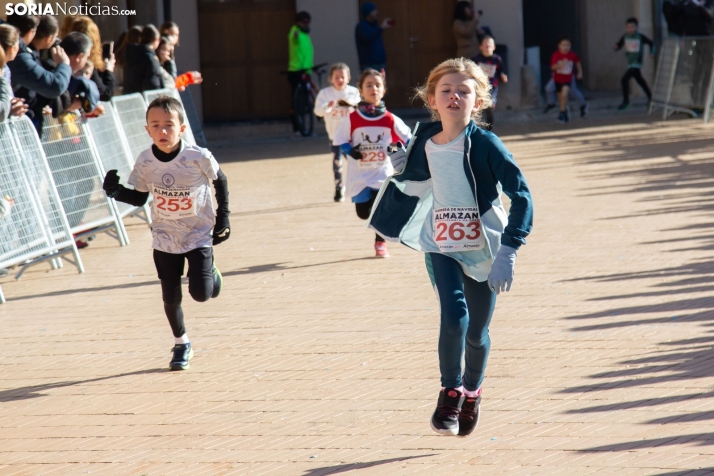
{"type": "Point", "coordinates": [304, 98]}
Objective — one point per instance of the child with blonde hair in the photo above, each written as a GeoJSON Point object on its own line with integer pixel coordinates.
{"type": "Point", "coordinates": [334, 103]}
{"type": "Point", "coordinates": [365, 136]}
{"type": "Point", "coordinates": [445, 201]}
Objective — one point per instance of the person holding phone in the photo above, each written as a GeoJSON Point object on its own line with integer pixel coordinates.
{"type": "Point", "coordinates": [101, 55]}
{"type": "Point", "coordinates": [368, 35]}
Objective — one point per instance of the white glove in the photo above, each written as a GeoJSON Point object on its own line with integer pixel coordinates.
{"type": "Point", "coordinates": [398, 157]}
{"type": "Point", "coordinates": [500, 278]}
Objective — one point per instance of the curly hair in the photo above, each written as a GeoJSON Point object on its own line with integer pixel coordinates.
{"type": "Point", "coordinates": [482, 85]}
{"type": "Point", "coordinates": [87, 26]}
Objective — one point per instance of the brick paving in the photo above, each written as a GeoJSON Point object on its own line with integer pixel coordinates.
{"type": "Point", "coordinates": [318, 359]}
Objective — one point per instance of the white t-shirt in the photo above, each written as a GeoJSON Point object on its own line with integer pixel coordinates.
{"type": "Point", "coordinates": [334, 116]}
{"type": "Point", "coordinates": [182, 211]}
{"type": "Point", "coordinates": [455, 223]}
{"type": "Point", "coordinates": [373, 135]}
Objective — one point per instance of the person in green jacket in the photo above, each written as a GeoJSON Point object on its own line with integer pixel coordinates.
{"type": "Point", "coordinates": [301, 55]}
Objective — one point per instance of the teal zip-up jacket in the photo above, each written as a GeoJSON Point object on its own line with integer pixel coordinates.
{"type": "Point", "coordinates": [406, 200]}
{"type": "Point", "coordinates": [635, 48]}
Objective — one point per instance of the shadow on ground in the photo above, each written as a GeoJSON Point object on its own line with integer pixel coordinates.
{"type": "Point", "coordinates": [677, 178]}
{"type": "Point", "coordinates": [35, 391]}
{"type": "Point", "coordinates": [344, 468]}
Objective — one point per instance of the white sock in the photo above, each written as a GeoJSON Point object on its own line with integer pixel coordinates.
{"type": "Point", "coordinates": [472, 393]}
{"type": "Point", "coordinates": [181, 340]}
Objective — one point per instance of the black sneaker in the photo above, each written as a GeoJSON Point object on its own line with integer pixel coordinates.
{"type": "Point", "coordinates": [561, 117]}
{"type": "Point", "coordinates": [339, 194]}
{"type": "Point", "coordinates": [584, 110]}
{"type": "Point", "coordinates": [548, 108]}
{"type": "Point", "coordinates": [445, 419]}
{"type": "Point", "coordinates": [624, 106]}
{"type": "Point", "coordinates": [469, 415]}
{"type": "Point", "coordinates": [217, 281]}
{"type": "Point", "coordinates": [567, 115]}
{"type": "Point", "coordinates": [182, 354]}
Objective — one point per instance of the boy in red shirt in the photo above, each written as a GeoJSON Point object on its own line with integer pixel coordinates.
{"type": "Point", "coordinates": [562, 63]}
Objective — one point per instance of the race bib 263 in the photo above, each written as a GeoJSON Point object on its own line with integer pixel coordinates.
{"type": "Point", "coordinates": [458, 229]}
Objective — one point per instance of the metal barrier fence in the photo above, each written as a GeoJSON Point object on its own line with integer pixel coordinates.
{"type": "Point", "coordinates": [114, 154]}
{"type": "Point", "coordinates": [131, 111]}
{"type": "Point", "coordinates": [51, 189]}
{"type": "Point", "coordinates": [151, 95]}
{"type": "Point", "coordinates": [33, 228]}
{"type": "Point", "coordinates": [684, 78]}
{"type": "Point", "coordinates": [78, 175]}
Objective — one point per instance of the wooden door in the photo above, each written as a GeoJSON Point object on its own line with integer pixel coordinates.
{"type": "Point", "coordinates": [244, 47]}
{"type": "Point", "coordinates": [421, 38]}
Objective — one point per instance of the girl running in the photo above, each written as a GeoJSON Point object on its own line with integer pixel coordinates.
{"type": "Point", "coordinates": [365, 135]}
{"type": "Point", "coordinates": [334, 103]}
{"type": "Point", "coordinates": [444, 201]}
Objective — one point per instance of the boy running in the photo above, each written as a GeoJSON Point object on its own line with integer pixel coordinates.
{"type": "Point", "coordinates": [492, 65]}
{"type": "Point", "coordinates": [562, 63]}
{"type": "Point", "coordinates": [184, 226]}
{"type": "Point", "coordinates": [634, 43]}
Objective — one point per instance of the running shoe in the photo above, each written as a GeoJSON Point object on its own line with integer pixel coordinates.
{"type": "Point", "coordinates": [339, 194]}
{"type": "Point", "coordinates": [182, 354]}
{"type": "Point", "coordinates": [584, 110]}
{"type": "Point", "coordinates": [217, 281]}
{"type": "Point", "coordinates": [469, 415]}
{"type": "Point", "coordinates": [624, 106]}
{"type": "Point", "coordinates": [561, 117]}
{"type": "Point", "coordinates": [567, 115]}
{"type": "Point", "coordinates": [4, 272]}
{"type": "Point", "coordinates": [548, 108]}
{"type": "Point", "coordinates": [445, 419]}
{"type": "Point", "coordinates": [380, 248]}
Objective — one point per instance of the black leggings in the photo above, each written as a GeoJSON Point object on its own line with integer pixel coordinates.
{"type": "Point", "coordinates": [637, 74]}
{"type": "Point", "coordinates": [365, 208]}
{"type": "Point", "coordinates": [200, 281]}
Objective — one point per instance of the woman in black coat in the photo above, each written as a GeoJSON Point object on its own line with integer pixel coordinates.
{"type": "Point", "coordinates": [142, 71]}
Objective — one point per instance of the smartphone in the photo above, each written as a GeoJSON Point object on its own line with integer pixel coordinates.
{"type": "Point", "coordinates": [107, 50]}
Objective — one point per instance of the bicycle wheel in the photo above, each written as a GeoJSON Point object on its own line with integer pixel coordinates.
{"type": "Point", "coordinates": [303, 105]}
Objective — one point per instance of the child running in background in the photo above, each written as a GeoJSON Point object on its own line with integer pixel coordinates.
{"type": "Point", "coordinates": [492, 65]}
{"type": "Point", "coordinates": [364, 135]}
{"type": "Point", "coordinates": [334, 103]}
{"type": "Point", "coordinates": [445, 201]}
{"type": "Point", "coordinates": [184, 226]}
{"type": "Point", "coordinates": [634, 43]}
{"type": "Point", "coordinates": [562, 63]}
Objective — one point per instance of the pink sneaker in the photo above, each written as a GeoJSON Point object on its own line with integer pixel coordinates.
{"type": "Point", "coordinates": [380, 248]}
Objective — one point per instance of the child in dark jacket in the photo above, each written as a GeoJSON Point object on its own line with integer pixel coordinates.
{"type": "Point", "coordinates": [445, 201]}
{"type": "Point", "coordinates": [634, 43]}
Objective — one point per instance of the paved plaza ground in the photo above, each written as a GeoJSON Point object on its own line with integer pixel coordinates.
{"type": "Point", "coordinates": [318, 359]}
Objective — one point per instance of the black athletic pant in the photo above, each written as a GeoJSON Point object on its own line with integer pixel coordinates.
{"type": "Point", "coordinates": [365, 208]}
{"type": "Point", "coordinates": [294, 78]}
{"type": "Point", "coordinates": [637, 75]}
{"type": "Point", "coordinates": [200, 281]}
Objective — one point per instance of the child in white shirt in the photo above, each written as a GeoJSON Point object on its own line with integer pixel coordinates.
{"type": "Point", "coordinates": [334, 103]}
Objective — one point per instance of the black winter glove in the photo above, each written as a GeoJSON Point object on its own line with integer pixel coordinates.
{"type": "Point", "coordinates": [111, 184]}
{"type": "Point", "coordinates": [355, 153]}
{"type": "Point", "coordinates": [221, 230]}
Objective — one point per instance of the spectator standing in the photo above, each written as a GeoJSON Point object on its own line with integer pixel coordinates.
{"type": "Point", "coordinates": [466, 30]}
{"type": "Point", "coordinates": [165, 52]}
{"type": "Point", "coordinates": [368, 35]}
{"type": "Point", "coordinates": [170, 31]}
{"type": "Point", "coordinates": [301, 57]}
{"type": "Point", "coordinates": [31, 81]}
{"type": "Point", "coordinates": [103, 74]}
{"type": "Point", "coordinates": [130, 37]}
{"type": "Point", "coordinates": [142, 71]}
{"type": "Point", "coordinates": [9, 46]}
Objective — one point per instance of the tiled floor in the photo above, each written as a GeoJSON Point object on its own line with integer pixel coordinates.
{"type": "Point", "coordinates": [318, 359]}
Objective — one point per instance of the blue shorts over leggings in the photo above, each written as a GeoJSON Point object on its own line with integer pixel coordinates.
{"type": "Point", "coordinates": [466, 310]}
